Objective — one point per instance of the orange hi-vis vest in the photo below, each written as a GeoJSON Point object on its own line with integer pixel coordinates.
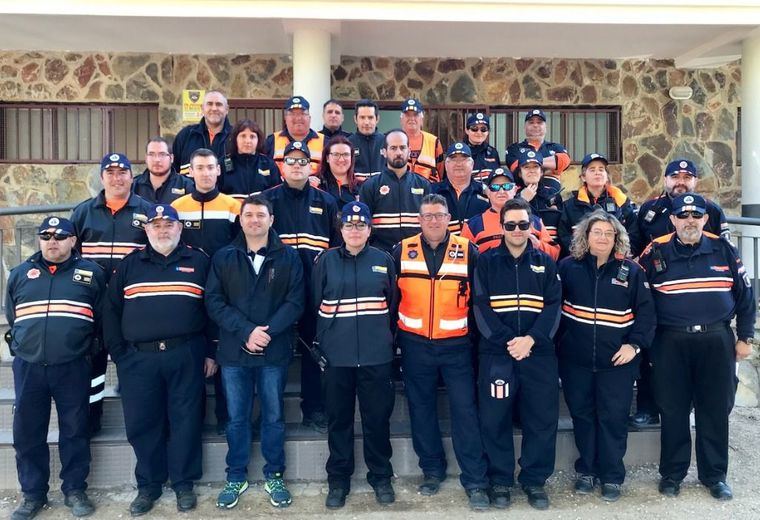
{"type": "Point", "coordinates": [434, 306]}
{"type": "Point", "coordinates": [315, 145]}
{"type": "Point", "coordinates": [424, 164]}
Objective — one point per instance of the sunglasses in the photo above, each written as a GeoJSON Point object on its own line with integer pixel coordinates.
{"type": "Point", "coordinates": [506, 186]}
{"type": "Point", "coordinates": [301, 161]}
{"type": "Point", "coordinates": [482, 129]}
{"type": "Point", "coordinates": [524, 225]}
{"type": "Point", "coordinates": [55, 236]}
{"type": "Point", "coordinates": [696, 215]}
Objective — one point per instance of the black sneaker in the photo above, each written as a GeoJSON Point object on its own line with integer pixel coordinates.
{"type": "Point", "coordinates": [430, 486]}
{"type": "Point", "coordinates": [721, 491]}
{"type": "Point", "coordinates": [336, 498]}
{"type": "Point", "coordinates": [585, 484]}
{"type": "Point", "coordinates": [478, 499]}
{"type": "Point", "coordinates": [501, 497]}
{"type": "Point", "coordinates": [142, 503]}
{"type": "Point", "coordinates": [669, 487]}
{"type": "Point", "coordinates": [317, 421]}
{"type": "Point", "coordinates": [28, 508]}
{"type": "Point", "coordinates": [79, 503]}
{"type": "Point", "coordinates": [187, 500]}
{"type": "Point", "coordinates": [384, 493]}
{"type": "Point", "coordinates": [611, 492]}
{"type": "Point", "coordinates": [644, 420]}
{"type": "Point", "coordinates": [537, 497]}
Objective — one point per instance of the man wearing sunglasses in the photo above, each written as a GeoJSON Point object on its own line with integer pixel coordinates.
{"type": "Point", "coordinates": [53, 309]}
{"type": "Point", "coordinates": [304, 218]}
{"type": "Point", "coordinates": [517, 308]}
{"type": "Point", "coordinates": [699, 285]}
{"type": "Point", "coordinates": [463, 194]}
{"type": "Point", "coordinates": [485, 230]}
{"type": "Point", "coordinates": [485, 156]}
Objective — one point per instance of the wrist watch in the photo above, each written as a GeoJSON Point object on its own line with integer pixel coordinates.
{"type": "Point", "coordinates": [636, 348]}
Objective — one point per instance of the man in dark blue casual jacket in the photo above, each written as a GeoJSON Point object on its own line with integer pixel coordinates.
{"type": "Point", "coordinates": [160, 183]}
{"type": "Point", "coordinates": [210, 132]}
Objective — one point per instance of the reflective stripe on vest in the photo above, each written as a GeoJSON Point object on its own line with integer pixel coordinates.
{"type": "Point", "coordinates": [315, 145]}
{"type": "Point", "coordinates": [434, 306]}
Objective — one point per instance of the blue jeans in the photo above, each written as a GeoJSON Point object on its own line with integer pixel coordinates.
{"type": "Point", "coordinates": [239, 383]}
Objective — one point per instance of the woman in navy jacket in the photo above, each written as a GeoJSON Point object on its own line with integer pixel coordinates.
{"type": "Point", "coordinates": [337, 170]}
{"type": "Point", "coordinates": [246, 170]}
{"type": "Point", "coordinates": [608, 316]}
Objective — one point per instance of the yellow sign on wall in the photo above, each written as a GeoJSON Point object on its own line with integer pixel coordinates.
{"type": "Point", "coordinates": [192, 102]}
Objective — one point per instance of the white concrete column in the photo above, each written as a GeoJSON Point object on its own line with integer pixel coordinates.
{"type": "Point", "coordinates": [750, 97]}
{"type": "Point", "coordinates": [311, 63]}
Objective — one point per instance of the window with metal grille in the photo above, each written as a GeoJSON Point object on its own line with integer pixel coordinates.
{"type": "Point", "coordinates": [74, 133]}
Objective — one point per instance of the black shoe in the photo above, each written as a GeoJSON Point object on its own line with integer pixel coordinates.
{"type": "Point", "coordinates": [221, 429]}
{"type": "Point", "coordinates": [430, 486]}
{"type": "Point", "coordinates": [28, 508]}
{"type": "Point", "coordinates": [141, 504]}
{"type": "Point", "coordinates": [610, 492]}
{"type": "Point", "coordinates": [186, 500]}
{"type": "Point", "coordinates": [585, 484]}
{"type": "Point", "coordinates": [478, 499]}
{"type": "Point", "coordinates": [317, 421]}
{"type": "Point", "coordinates": [79, 503]}
{"type": "Point", "coordinates": [644, 420]}
{"type": "Point", "coordinates": [336, 498]}
{"type": "Point", "coordinates": [384, 493]}
{"type": "Point", "coordinates": [721, 491]}
{"type": "Point", "coordinates": [669, 487]}
{"type": "Point", "coordinates": [537, 497]}
{"type": "Point", "coordinates": [500, 496]}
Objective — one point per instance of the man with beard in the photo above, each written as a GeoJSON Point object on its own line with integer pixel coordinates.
{"type": "Point", "coordinates": [211, 132]}
{"type": "Point", "coordinates": [699, 285]}
{"type": "Point", "coordinates": [159, 183]}
{"type": "Point", "coordinates": [154, 327]}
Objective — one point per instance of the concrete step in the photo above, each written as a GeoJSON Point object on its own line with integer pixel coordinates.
{"type": "Point", "coordinates": [306, 453]}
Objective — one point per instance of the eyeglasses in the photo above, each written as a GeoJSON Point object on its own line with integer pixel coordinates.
{"type": "Point", "coordinates": [345, 155]}
{"type": "Point", "coordinates": [427, 217]}
{"type": "Point", "coordinates": [359, 226]}
{"type": "Point", "coordinates": [598, 233]}
{"type": "Point", "coordinates": [55, 236]}
{"type": "Point", "coordinates": [506, 186]}
{"type": "Point", "coordinates": [301, 161]}
{"type": "Point", "coordinates": [159, 155]}
{"type": "Point", "coordinates": [696, 215]}
{"type": "Point", "coordinates": [524, 225]}
{"type": "Point", "coordinates": [482, 129]}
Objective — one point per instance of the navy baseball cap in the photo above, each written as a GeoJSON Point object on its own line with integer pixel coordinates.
{"type": "Point", "coordinates": [459, 149]}
{"type": "Point", "coordinates": [535, 112]}
{"type": "Point", "coordinates": [162, 212]}
{"type": "Point", "coordinates": [298, 146]}
{"type": "Point", "coordinates": [529, 156]}
{"type": "Point", "coordinates": [689, 202]}
{"type": "Point", "coordinates": [593, 157]}
{"type": "Point", "coordinates": [355, 212]}
{"type": "Point", "coordinates": [59, 225]}
{"type": "Point", "coordinates": [481, 118]}
{"type": "Point", "coordinates": [297, 102]}
{"type": "Point", "coordinates": [115, 159]}
{"type": "Point", "coordinates": [680, 166]}
{"type": "Point", "coordinates": [500, 172]}
{"type": "Point", "coordinates": [412, 104]}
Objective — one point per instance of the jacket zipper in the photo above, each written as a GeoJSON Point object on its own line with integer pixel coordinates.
{"type": "Point", "coordinates": [47, 315]}
{"type": "Point", "coordinates": [517, 287]}
{"type": "Point", "coordinates": [593, 345]}
{"type": "Point", "coordinates": [356, 318]}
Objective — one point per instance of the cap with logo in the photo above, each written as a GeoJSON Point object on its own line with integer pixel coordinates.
{"type": "Point", "coordinates": [529, 156]}
{"type": "Point", "coordinates": [680, 166]}
{"type": "Point", "coordinates": [297, 146]}
{"type": "Point", "coordinates": [500, 172]}
{"type": "Point", "coordinates": [536, 112]}
{"type": "Point", "coordinates": [459, 149]}
{"type": "Point", "coordinates": [162, 212]}
{"type": "Point", "coordinates": [689, 202]}
{"type": "Point", "coordinates": [589, 158]}
{"type": "Point", "coordinates": [355, 212]}
{"type": "Point", "coordinates": [479, 118]}
{"type": "Point", "coordinates": [297, 102]}
{"type": "Point", "coordinates": [413, 105]}
{"type": "Point", "coordinates": [115, 159]}
{"type": "Point", "coordinates": [58, 225]}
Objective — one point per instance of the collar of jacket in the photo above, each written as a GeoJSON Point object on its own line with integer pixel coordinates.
{"type": "Point", "coordinates": [370, 136]}
{"type": "Point", "coordinates": [144, 177]}
{"type": "Point", "coordinates": [703, 247]}
{"type": "Point", "coordinates": [590, 261]}
{"type": "Point", "coordinates": [273, 243]}
{"type": "Point", "coordinates": [311, 135]}
{"type": "Point", "coordinates": [345, 253]}
{"type": "Point", "coordinates": [100, 200]}
{"type": "Point", "coordinates": [202, 129]}
{"type": "Point", "coordinates": [205, 197]}
{"type": "Point", "coordinates": [477, 148]}
{"type": "Point", "coordinates": [332, 133]}
{"type": "Point", "coordinates": [147, 253]}
{"type": "Point", "coordinates": [474, 186]}
{"type": "Point", "coordinates": [503, 250]}
{"type": "Point", "coordinates": [442, 245]}
{"type": "Point", "coordinates": [615, 193]}
{"type": "Point", "coordinates": [37, 258]}
{"type": "Point", "coordinates": [295, 192]}
{"type": "Point", "coordinates": [390, 173]}
{"type": "Point", "coordinates": [243, 158]}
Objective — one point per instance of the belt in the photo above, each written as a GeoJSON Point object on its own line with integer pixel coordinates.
{"type": "Point", "coordinates": [162, 345]}
{"type": "Point", "coordinates": [697, 329]}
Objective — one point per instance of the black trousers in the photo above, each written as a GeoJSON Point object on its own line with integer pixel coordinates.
{"type": "Point", "coordinates": [162, 397]}
{"type": "Point", "coordinates": [374, 388]}
{"type": "Point", "coordinates": [311, 374]}
{"type": "Point", "coordinates": [699, 370]}
{"type": "Point", "coordinates": [68, 384]}
{"type": "Point", "coordinates": [533, 383]}
{"type": "Point", "coordinates": [645, 402]}
{"type": "Point", "coordinates": [599, 403]}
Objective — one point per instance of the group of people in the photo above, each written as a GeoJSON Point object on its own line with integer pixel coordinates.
{"type": "Point", "coordinates": [347, 248]}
